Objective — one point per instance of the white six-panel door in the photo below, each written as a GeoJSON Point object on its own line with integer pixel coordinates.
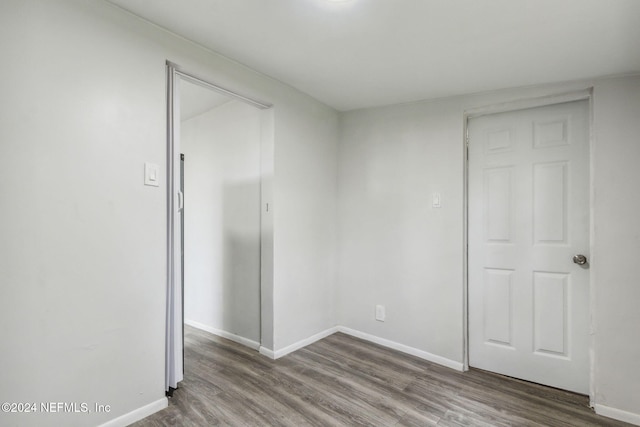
{"type": "Point", "coordinates": [528, 217]}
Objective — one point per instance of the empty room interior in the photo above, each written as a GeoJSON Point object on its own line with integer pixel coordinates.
{"type": "Point", "coordinates": [320, 212]}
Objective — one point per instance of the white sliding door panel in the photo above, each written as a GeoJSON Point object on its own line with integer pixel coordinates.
{"type": "Point", "coordinates": [528, 216]}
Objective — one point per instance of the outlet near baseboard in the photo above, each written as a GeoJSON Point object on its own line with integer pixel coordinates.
{"type": "Point", "coordinates": [380, 313]}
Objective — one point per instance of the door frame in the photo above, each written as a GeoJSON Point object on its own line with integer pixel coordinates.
{"type": "Point", "coordinates": [509, 106]}
{"type": "Point", "coordinates": [173, 344]}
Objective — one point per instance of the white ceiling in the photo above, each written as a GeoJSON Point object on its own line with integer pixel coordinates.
{"type": "Point", "coordinates": [362, 53]}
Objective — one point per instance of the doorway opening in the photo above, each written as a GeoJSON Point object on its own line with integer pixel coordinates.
{"type": "Point", "coordinates": [528, 222]}
{"type": "Point", "coordinates": [219, 245]}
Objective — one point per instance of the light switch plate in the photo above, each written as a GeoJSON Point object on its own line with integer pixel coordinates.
{"type": "Point", "coordinates": [436, 200]}
{"type": "Point", "coordinates": [151, 175]}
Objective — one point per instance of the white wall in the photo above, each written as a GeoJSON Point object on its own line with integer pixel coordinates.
{"type": "Point", "coordinates": [222, 219]}
{"type": "Point", "coordinates": [83, 242]}
{"type": "Point", "coordinates": [304, 208]}
{"type": "Point", "coordinates": [82, 252]}
{"type": "Point", "coordinates": [617, 236]}
{"type": "Point", "coordinates": [396, 250]}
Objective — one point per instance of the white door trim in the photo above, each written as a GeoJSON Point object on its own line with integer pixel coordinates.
{"type": "Point", "coordinates": [513, 106]}
{"type": "Point", "coordinates": [173, 343]}
{"type": "Point", "coordinates": [526, 103]}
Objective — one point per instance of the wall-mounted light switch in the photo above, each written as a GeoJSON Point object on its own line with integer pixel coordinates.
{"type": "Point", "coordinates": [151, 175]}
{"type": "Point", "coordinates": [436, 200]}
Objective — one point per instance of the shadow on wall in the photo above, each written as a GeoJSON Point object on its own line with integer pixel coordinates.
{"type": "Point", "coordinates": [241, 259]}
{"type": "Point", "coordinates": [222, 220]}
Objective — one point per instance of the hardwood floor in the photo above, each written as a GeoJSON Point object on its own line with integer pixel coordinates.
{"type": "Point", "coordinates": [344, 381]}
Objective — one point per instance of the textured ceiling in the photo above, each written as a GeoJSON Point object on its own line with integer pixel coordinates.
{"type": "Point", "coordinates": [362, 53]}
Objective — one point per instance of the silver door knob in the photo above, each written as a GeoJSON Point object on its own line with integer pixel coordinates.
{"type": "Point", "coordinates": [580, 259]}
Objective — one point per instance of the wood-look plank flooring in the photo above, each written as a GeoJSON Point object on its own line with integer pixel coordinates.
{"type": "Point", "coordinates": [344, 381]}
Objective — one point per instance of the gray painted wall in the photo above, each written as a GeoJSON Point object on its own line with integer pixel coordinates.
{"type": "Point", "coordinates": [83, 241]}
{"type": "Point", "coordinates": [222, 219]}
{"type": "Point", "coordinates": [396, 250]}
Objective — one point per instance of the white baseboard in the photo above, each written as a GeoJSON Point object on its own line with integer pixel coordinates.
{"type": "Point", "coordinates": [458, 366]}
{"type": "Point", "coordinates": [271, 354]}
{"type": "Point", "coordinates": [303, 343]}
{"type": "Point", "coordinates": [137, 414]}
{"type": "Point", "coordinates": [224, 334]}
{"type": "Point", "coordinates": [618, 414]}
{"type": "Point", "coordinates": [298, 345]}
{"type": "Point", "coordinates": [266, 352]}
